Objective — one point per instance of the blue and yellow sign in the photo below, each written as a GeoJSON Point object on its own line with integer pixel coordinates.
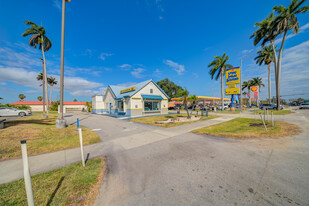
{"type": "Point", "coordinates": [231, 91]}
{"type": "Point", "coordinates": [232, 76]}
{"type": "Point", "coordinates": [127, 90]}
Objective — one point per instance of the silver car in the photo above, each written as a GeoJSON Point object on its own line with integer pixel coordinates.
{"type": "Point", "coordinates": [304, 106]}
{"type": "Point", "coordinates": [9, 111]}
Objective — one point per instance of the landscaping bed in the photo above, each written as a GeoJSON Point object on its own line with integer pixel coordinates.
{"type": "Point", "coordinates": [41, 135]}
{"type": "Point", "coordinates": [249, 128]}
{"type": "Point", "coordinates": [69, 185]}
{"type": "Point", "coordinates": [153, 120]}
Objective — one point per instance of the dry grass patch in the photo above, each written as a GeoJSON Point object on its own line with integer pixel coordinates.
{"type": "Point", "coordinates": [41, 135]}
{"type": "Point", "coordinates": [69, 185]}
{"type": "Point", "coordinates": [275, 112]}
{"type": "Point", "coordinates": [249, 128]}
{"type": "Point", "coordinates": [154, 119]}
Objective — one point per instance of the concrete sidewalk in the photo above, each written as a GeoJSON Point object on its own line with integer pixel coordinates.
{"type": "Point", "coordinates": [13, 169]}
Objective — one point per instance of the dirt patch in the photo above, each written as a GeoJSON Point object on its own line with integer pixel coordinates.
{"type": "Point", "coordinates": [256, 125]}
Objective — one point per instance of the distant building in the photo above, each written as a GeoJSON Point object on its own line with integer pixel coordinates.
{"type": "Point", "coordinates": [207, 100]}
{"type": "Point", "coordinates": [37, 106]}
{"type": "Point", "coordinates": [145, 98]}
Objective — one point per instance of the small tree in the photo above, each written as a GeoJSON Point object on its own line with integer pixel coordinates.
{"type": "Point", "coordinates": [75, 100]}
{"type": "Point", "coordinates": [40, 98]}
{"type": "Point", "coordinates": [184, 94]}
{"type": "Point", "coordinates": [21, 97]}
{"type": "Point", "coordinates": [192, 99]}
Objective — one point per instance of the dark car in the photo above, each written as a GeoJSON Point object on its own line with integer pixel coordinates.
{"type": "Point", "coordinates": [269, 106]}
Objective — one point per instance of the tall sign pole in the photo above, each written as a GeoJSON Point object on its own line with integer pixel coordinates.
{"type": "Point", "coordinates": [240, 85]}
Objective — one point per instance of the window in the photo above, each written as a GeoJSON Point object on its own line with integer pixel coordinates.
{"type": "Point", "coordinates": [151, 91]}
{"type": "Point", "coordinates": [151, 106]}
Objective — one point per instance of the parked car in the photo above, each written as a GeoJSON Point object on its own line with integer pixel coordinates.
{"type": "Point", "coordinates": [225, 106]}
{"type": "Point", "coordinates": [304, 106]}
{"type": "Point", "coordinates": [269, 106]}
{"type": "Point", "coordinates": [10, 111]}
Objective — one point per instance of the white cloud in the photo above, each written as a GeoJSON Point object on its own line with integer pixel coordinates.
{"type": "Point", "coordinates": [137, 72]}
{"type": "Point", "coordinates": [104, 55]}
{"type": "Point", "coordinates": [57, 4]}
{"type": "Point", "coordinates": [126, 66]}
{"type": "Point", "coordinates": [28, 79]}
{"type": "Point", "coordinates": [2, 83]}
{"type": "Point", "coordinates": [246, 51]}
{"type": "Point", "coordinates": [180, 69]}
{"type": "Point", "coordinates": [294, 72]}
{"type": "Point", "coordinates": [157, 73]}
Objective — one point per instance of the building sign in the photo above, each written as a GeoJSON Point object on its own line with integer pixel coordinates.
{"type": "Point", "coordinates": [231, 91]}
{"type": "Point", "coordinates": [232, 76]}
{"type": "Point", "coordinates": [254, 94]}
{"type": "Point", "coordinates": [127, 90]}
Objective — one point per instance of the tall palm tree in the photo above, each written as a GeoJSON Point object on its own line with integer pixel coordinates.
{"type": "Point", "coordinates": [38, 37]}
{"type": "Point", "coordinates": [266, 56]}
{"type": "Point", "coordinates": [51, 81]}
{"type": "Point", "coordinates": [184, 94]}
{"type": "Point", "coordinates": [218, 68]}
{"type": "Point", "coordinates": [40, 77]}
{"type": "Point", "coordinates": [257, 81]}
{"type": "Point", "coordinates": [270, 28]}
{"type": "Point", "coordinates": [247, 85]}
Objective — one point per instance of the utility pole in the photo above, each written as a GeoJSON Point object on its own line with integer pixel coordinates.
{"type": "Point", "coordinates": [60, 122]}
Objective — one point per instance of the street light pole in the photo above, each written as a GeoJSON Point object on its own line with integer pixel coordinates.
{"type": "Point", "coordinates": [240, 85]}
{"type": "Point", "coordinates": [60, 122]}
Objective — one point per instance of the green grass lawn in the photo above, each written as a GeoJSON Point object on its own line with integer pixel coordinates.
{"type": "Point", "coordinates": [69, 185]}
{"type": "Point", "coordinates": [154, 119]}
{"type": "Point", "coordinates": [275, 112]}
{"type": "Point", "coordinates": [245, 127]}
{"type": "Point", "coordinates": [41, 135]}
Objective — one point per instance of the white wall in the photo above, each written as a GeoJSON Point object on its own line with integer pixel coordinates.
{"type": "Point", "coordinates": [97, 102]}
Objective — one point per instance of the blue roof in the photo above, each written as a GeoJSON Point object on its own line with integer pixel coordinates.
{"type": "Point", "coordinates": [151, 96]}
{"type": "Point", "coordinates": [116, 89]}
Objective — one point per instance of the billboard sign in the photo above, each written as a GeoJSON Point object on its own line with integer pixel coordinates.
{"type": "Point", "coordinates": [127, 90]}
{"type": "Point", "coordinates": [232, 76]}
{"type": "Point", "coordinates": [231, 91]}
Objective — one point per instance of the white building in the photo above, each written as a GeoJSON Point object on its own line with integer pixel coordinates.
{"type": "Point", "coordinates": [145, 98]}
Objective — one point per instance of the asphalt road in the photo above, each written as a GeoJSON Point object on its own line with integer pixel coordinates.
{"type": "Point", "coordinates": [190, 169]}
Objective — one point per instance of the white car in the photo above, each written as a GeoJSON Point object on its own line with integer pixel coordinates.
{"type": "Point", "coordinates": [9, 111]}
{"type": "Point", "coordinates": [304, 106]}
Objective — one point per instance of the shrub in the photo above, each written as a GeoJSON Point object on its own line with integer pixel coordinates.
{"type": "Point", "coordinates": [54, 106]}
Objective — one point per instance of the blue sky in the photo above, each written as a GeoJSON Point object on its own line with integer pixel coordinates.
{"type": "Point", "coordinates": [121, 42]}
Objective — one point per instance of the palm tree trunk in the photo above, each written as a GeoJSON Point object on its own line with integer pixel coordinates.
{"type": "Point", "coordinates": [222, 100]}
{"type": "Point", "coordinates": [51, 90]}
{"type": "Point", "coordinates": [186, 108]}
{"type": "Point", "coordinates": [45, 78]}
{"type": "Point", "coordinates": [279, 71]}
{"type": "Point", "coordinates": [43, 86]}
{"type": "Point", "coordinates": [269, 85]}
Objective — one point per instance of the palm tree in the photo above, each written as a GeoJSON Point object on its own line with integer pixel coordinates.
{"type": "Point", "coordinates": [184, 94]}
{"type": "Point", "coordinates": [51, 81]}
{"type": "Point", "coordinates": [40, 78]}
{"type": "Point", "coordinates": [219, 66]}
{"type": "Point", "coordinates": [40, 98]}
{"type": "Point", "coordinates": [266, 56]}
{"type": "Point", "coordinates": [21, 97]}
{"type": "Point", "coordinates": [257, 81]}
{"type": "Point", "coordinates": [272, 27]}
{"type": "Point", "coordinates": [247, 85]}
{"type": "Point", "coordinates": [38, 37]}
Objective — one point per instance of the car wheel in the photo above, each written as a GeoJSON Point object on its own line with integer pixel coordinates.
{"type": "Point", "coordinates": [22, 114]}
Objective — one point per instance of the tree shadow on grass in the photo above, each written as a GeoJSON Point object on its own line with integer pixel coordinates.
{"type": "Point", "coordinates": [55, 191]}
{"type": "Point", "coordinates": [30, 121]}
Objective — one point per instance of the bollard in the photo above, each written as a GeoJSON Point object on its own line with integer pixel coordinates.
{"type": "Point", "coordinates": [272, 119]}
{"type": "Point", "coordinates": [197, 113]}
{"type": "Point", "coordinates": [264, 113]}
{"type": "Point", "coordinates": [77, 122]}
{"type": "Point", "coordinates": [81, 145]}
{"type": "Point", "coordinates": [206, 113]}
{"type": "Point", "coordinates": [267, 115]}
{"type": "Point", "coordinates": [27, 176]}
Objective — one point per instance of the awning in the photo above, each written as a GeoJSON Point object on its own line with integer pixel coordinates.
{"type": "Point", "coordinates": [152, 97]}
